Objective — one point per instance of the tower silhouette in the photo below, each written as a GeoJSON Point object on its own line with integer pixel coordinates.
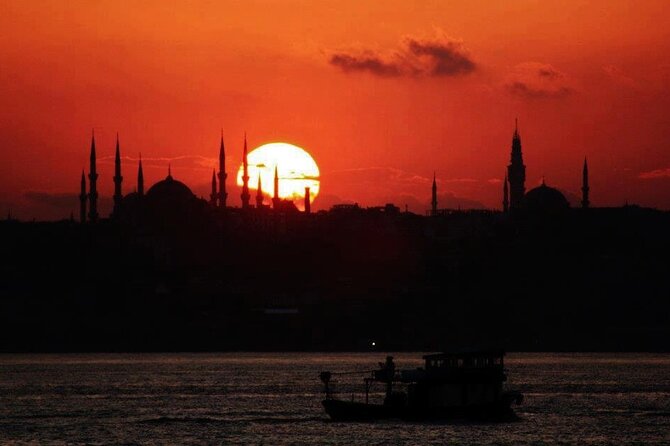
{"type": "Point", "coordinates": [118, 179]}
{"type": "Point", "coordinates": [82, 198]}
{"type": "Point", "coordinates": [433, 202]}
{"type": "Point", "coordinates": [213, 196]}
{"type": "Point", "coordinates": [92, 189]}
{"type": "Point", "coordinates": [505, 195]}
{"type": "Point", "coordinates": [245, 177]}
{"type": "Point", "coordinates": [140, 179]}
{"type": "Point", "coordinates": [275, 196]}
{"type": "Point", "coordinates": [585, 186]}
{"type": "Point", "coordinates": [308, 205]}
{"type": "Point", "coordinates": [516, 172]}
{"type": "Point", "coordinates": [259, 193]}
{"type": "Point", "coordinates": [223, 195]}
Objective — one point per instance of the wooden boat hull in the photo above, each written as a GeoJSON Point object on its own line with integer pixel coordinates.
{"type": "Point", "coordinates": [339, 410]}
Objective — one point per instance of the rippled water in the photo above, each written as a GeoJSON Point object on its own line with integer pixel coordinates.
{"type": "Point", "coordinates": [275, 398]}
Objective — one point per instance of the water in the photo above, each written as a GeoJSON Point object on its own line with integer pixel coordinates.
{"type": "Point", "coordinates": [275, 399]}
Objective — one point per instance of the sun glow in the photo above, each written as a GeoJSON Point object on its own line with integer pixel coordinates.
{"type": "Point", "coordinates": [295, 167]}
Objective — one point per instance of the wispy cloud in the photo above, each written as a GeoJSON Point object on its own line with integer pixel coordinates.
{"type": "Point", "coordinates": [194, 162]}
{"type": "Point", "coordinates": [535, 80]}
{"type": "Point", "coordinates": [383, 173]}
{"type": "Point", "coordinates": [617, 75]}
{"type": "Point", "coordinates": [655, 174]}
{"type": "Point", "coordinates": [438, 56]}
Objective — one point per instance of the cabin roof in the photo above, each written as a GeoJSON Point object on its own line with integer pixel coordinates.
{"type": "Point", "coordinates": [466, 354]}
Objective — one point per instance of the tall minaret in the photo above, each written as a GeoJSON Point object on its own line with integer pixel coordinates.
{"type": "Point", "coordinates": [516, 172]}
{"type": "Point", "coordinates": [275, 197]}
{"type": "Point", "coordinates": [118, 196]}
{"type": "Point", "coordinates": [259, 193]}
{"type": "Point", "coordinates": [308, 205]}
{"type": "Point", "coordinates": [433, 202]}
{"type": "Point", "coordinates": [140, 179]}
{"type": "Point", "coordinates": [92, 189]}
{"type": "Point", "coordinates": [82, 198]}
{"type": "Point", "coordinates": [213, 195]}
{"type": "Point", "coordinates": [585, 185]}
{"type": "Point", "coordinates": [223, 195]}
{"type": "Point", "coordinates": [505, 195]}
{"type": "Point", "coordinates": [245, 177]}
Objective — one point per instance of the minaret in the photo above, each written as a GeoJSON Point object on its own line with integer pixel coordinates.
{"type": "Point", "coordinates": [516, 172]}
{"type": "Point", "coordinates": [140, 179]}
{"type": "Point", "coordinates": [245, 177]}
{"type": "Point", "coordinates": [585, 186]}
{"type": "Point", "coordinates": [308, 205]}
{"type": "Point", "coordinates": [223, 195]}
{"type": "Point", "coordinates": [213, 195]}
{"type": "Point", "coordinates": [92, 189]}
{"type": "Point", "coordinates": [118, 179]}
{"type": "Point", "coordinates": [275, 197]}
{"type": "Point", "coordinates": [259, 193]}
{"type": "Point", "coordinates": [505, 195]}
{"type": "Point", "coordinates": [82, 198]}
{"type": "Point", "coordinates": [433, 202]}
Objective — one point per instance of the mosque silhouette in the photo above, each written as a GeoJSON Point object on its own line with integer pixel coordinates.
{"type": "Point", "coordinates": [171, 199]}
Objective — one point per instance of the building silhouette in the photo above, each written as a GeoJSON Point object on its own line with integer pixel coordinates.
{"type": "Point", "coordinates": [83, 196]}
{"type": "Point", "coordinates": [223, 195]}
{"type": "Point", "coordinates": [516, 173]}
{"type": "Point", "coordinates": [118, 179]}
{"type": "Point", "coordinates": [93, 189]}
{"type": "Point", "coordinates": [505, 201]}
{"type": "Point", "coordinates": [540, 200]}
{"type": "Point", "coordinates": [136, 207]}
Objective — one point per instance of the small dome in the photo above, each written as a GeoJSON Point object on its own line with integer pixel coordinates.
{"type": "Point", "coordinates": [545, 199]}
{"type": "Point", "coordinates": [169, 190]}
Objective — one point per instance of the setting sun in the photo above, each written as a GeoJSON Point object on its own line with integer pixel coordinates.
{"type": "Point", "coordinates": [296, 170]}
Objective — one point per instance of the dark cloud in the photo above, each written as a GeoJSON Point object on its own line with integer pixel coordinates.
{"type": "Point", "coordinates": [445, 58]}
{"type": "Point", "coordinates": [549, 72]}
{"type": "Point", "coordinates": [365, 62]}
{"type": "Point", "coordinates": [530, 92]}
{"type": "Point", "coordinates": [436, 57]}
{"type": "Point", "coordinates": [534, 80]}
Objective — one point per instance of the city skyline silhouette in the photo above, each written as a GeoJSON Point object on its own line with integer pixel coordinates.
{"type": "Point", "coordinates": [380, 105]}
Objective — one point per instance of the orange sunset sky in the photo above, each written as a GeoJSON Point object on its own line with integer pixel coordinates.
{"type": "Point", "coordinates": [381, 93]}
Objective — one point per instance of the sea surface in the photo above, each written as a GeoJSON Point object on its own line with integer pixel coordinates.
{"type": "Point", "coordinates": [252, 398]}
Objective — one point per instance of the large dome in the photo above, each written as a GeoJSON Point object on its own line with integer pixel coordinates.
{"type": "Point", "coordinates": [169, 190]}
{"type": "Point", "coordinates": [545, 199]}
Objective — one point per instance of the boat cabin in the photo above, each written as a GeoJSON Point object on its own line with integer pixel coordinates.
{"type": "Point", "coordinates": [469, 359]}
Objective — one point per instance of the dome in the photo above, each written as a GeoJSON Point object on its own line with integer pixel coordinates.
{"type": "Point", "coordinates": [545, 199]}
{"type": "Point", "coordinates": [169, 190]}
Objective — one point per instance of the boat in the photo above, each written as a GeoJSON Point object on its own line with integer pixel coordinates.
{"type": "Point", "coordinates": [458, 385]}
